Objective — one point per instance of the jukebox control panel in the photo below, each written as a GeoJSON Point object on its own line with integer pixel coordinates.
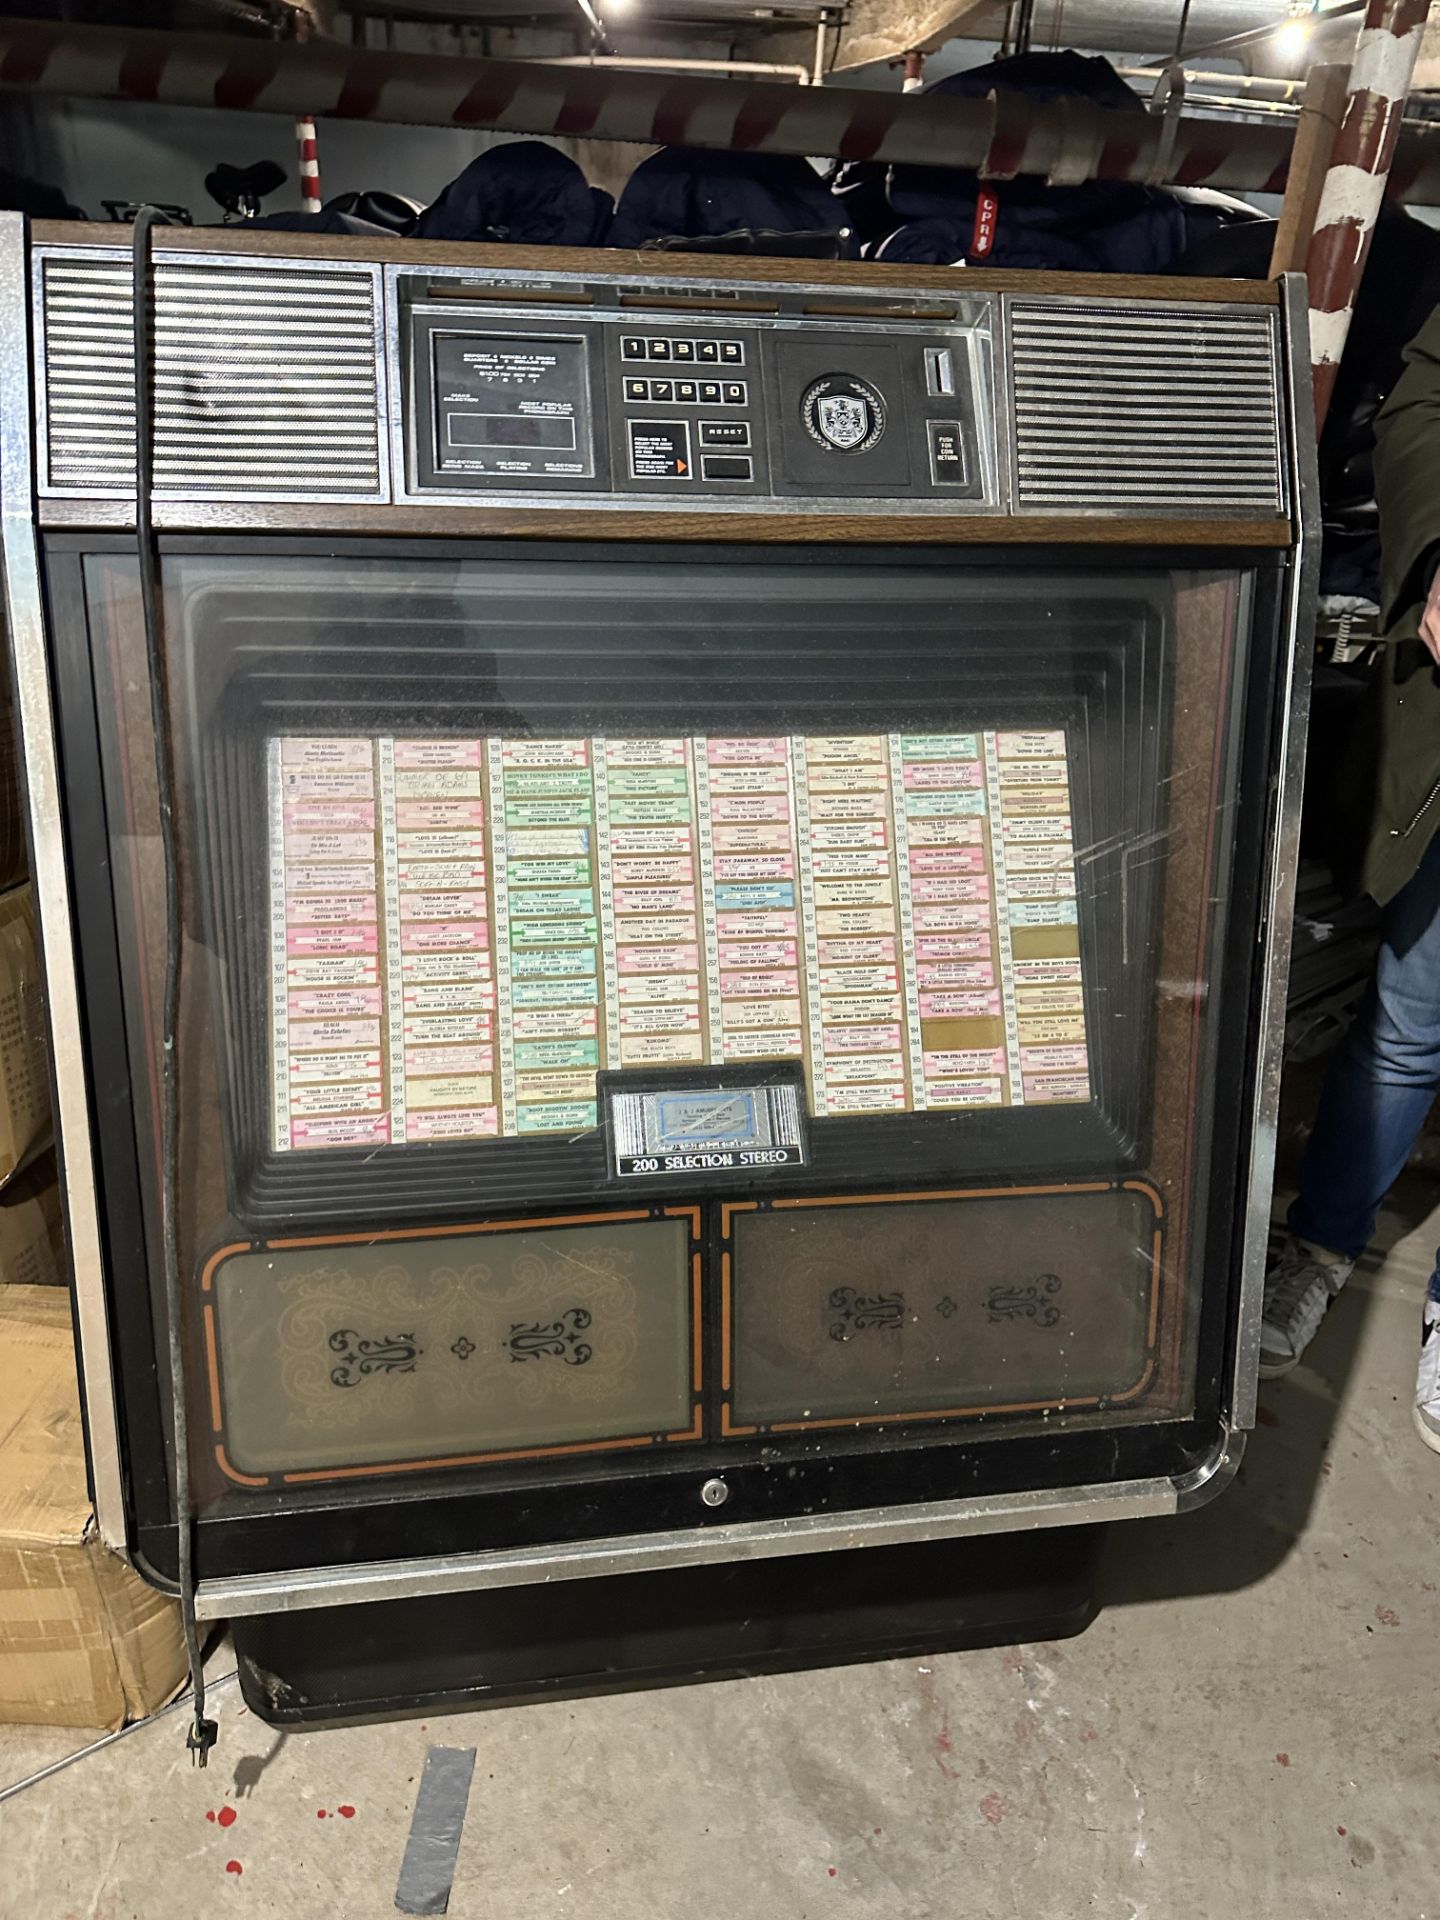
{"type": "Point", "coordinates": [691, 399]}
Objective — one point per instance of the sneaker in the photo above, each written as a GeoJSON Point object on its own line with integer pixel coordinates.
{"type": "Point", "coordinates": [1298, 1289]}
{"type": "Point", "coordinates": [1427, 1383]}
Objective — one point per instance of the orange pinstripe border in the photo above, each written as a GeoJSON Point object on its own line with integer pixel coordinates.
{"type": "Point", "coordinates": [222, 1460]}
{"type": "Point", "coordinates": [629, 1441]}
{"type": "Point", "coordinates": [725, 1321]}
{"type": "Point", "coordinates": [728, 1208]}
{"type": "Point", "coordinates": [218, 1258]}
{"type": "Point", "coordinates": [212, 1358]}
{"type": "Point", "coordinates": [479, 1226]}
{"type": "Point", "coordinates": [697, 1329]}
{"type": "Point", "coordinates": [962, 1193]}
{"type": "Point", "coordinates": [696, 1427]}
{"type": "Point", "coordinates": [461, 1460]}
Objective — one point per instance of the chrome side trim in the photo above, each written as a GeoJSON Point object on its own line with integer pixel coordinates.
{"type": "Point", "coordinates": [1199, 1488]}
{"type": "Point", "coordinates": [293, 1592]}
{"type": "Point", "coordinates": [50, 880]}
{"type": "Point", "coordinates": [1285, 843]}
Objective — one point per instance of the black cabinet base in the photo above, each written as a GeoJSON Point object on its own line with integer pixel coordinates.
{"type": "Point", "coordinates": [450, 1651]}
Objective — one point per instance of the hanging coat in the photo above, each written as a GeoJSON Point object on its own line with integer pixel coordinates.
{"type": "Point", "coordinates": [525, 193]}
{"type": "Point", "coordinates": [950, 216]}
{"type": "Point", "coordinates": [1389, 780]}
{"type": "Point", "coordinates": [685, 193]}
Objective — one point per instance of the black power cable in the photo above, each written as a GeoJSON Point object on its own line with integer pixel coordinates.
{"type": "Point", "coordinates": [203, 1733]}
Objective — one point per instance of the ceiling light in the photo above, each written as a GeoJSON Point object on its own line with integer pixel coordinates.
{"type": "Point", "coordinates": [1292, 36]}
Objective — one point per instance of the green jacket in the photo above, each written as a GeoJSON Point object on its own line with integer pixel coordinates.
{"type": "Point", "coordinates": [1389, 785]}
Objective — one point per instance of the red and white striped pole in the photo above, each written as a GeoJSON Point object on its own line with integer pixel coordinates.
{"type": "Point", "coordinates": [1355, 183]}
{"type": "Point", "coordinates": [309, 165]}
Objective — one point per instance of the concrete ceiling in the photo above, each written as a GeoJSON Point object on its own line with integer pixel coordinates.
{"type": "Point", "coordinates": [878, 30]}
{"type": "Point", "coordinates": [1131, 26]}
{"type": "Point", "coordinates": [871, 29]}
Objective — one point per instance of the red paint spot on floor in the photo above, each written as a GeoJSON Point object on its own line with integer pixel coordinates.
{"type": "Point", "coordinates": [944, 1747]}
{"type": "Point", "coordinates": [1342, 1831]}
{"type": "Point", "coordinates": [832, 1871]}
{"type": "Point", "coordinates": [1387, 1616]}
{"type": "Point", "coordinates": [1283, 1759]}
{"type": "Point", "coordinates": [879, 1830]}
{"type": "Point", "coordinates": [233, 1866]}
{"type": "Point", "coordinates": [993, 1808]}
{"type": "Point", "coordinates": [227, 1816]}
{"type": "Point", "coordinates": [210, 1816]}
{"type": "Point", "coordinates": [320, 1813]}
{"type": "Point", "coordinates": [346, 1813]}
{"type": "Point", "coordinates": [1265, 1418]}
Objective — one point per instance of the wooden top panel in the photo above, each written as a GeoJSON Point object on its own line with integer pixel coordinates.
{"type": "Point", "coordinates": [611, 264]}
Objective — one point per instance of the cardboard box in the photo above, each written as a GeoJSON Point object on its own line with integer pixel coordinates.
{"type": "Point", "coordinates": [83, 1641]}
{"type": "Point", "coordinates": [24, 1050]}
{"type": "Point", "coordinates": [32, 1236]}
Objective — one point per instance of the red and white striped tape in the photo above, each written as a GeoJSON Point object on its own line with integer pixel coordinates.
{"type": "Point", "coordinates": [309, 165]}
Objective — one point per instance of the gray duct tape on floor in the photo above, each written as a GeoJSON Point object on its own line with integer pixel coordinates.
{"type": "Point", "coordinates": [427, 1872]}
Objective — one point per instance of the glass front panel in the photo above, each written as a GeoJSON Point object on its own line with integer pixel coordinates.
{"type": "Point", "coordinates": [462, 930]}
{"type": "Point", "coordinates": [954, 842]}
{"type": "Point", "coordinates": [873, 1310]}
{"type": "Point", "coordinates": [413, 1352]}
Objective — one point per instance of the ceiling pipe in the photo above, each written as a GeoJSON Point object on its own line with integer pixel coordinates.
{"type": "Point", "coordinates": [634, 63]}
{"type": "Point", "coordinates": [1000, 137]}
{"type": "Point", "coordinates": [1262, 85]}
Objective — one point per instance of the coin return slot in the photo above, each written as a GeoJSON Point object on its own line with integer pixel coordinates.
{"type": "Point", "coordinates": [939, 371]}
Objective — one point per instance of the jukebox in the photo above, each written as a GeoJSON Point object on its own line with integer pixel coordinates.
{"type": "Point", "coordinates": [694, 975]}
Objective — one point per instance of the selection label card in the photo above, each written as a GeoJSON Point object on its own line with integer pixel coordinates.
{"type": "Point", "coordinates": [464, 931]}
{"type": "Point", "coordinates": [329, 1084]}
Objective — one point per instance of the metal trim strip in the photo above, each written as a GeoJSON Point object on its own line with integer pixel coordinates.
{"type": "Point", "coordinates": [50, 881]}
{"type": "Point", "coordinates": [350, 1585]}
{"type": "Point", "coordinates": [1299, 419]}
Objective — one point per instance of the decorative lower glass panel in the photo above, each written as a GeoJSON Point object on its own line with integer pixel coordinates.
{"type": "Point", "coordinates": [1021, 1301]}
{"type": "Point", "coordinates": [431, 1350]}
{"type": "Point", "coordinates": [464, 930]}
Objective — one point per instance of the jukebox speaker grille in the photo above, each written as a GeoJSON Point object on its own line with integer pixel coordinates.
{"type": "Point", "coordinates": [266, 381]}
{"type": "Point", "coordinates": [1120, 408]}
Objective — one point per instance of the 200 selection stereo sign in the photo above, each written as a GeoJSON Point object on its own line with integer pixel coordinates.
{"type": "Point", "coordinates": [465, 931]}
{"type": "Point", "coordinates": [701, 1130]}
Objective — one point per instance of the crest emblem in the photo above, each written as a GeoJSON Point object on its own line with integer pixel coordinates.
{"type": "Point", "coordinates": [843, 413]}
{"type": "Point", "coordinates": [844, 419]}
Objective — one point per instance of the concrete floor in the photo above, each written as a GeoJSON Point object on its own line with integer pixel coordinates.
{"type": "Point", "coordinates": [1248, 1732]}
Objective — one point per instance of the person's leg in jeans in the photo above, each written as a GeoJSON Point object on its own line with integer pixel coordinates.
{"type": "Point", "coordinates": [1376, 1098]}
{"type": "Point", "coordinates": [1384, 1080]}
